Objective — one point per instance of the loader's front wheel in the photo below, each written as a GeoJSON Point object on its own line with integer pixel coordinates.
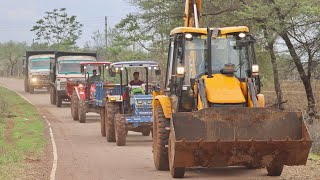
{"type": "Point", "coordinates": [74, 106]}
{"type": "Point", "coordinates": [275, 170]}
{"type": "Point", "coordinates": [120, 129]}
{"type": "Point", "coordinates": [103, 122]}
{"type": "Point", "coordinates": [111, 110]}
{"type": "Point", "coordinates": [160, 140]}
{"type": "Point", "coordinates": [82, 105]}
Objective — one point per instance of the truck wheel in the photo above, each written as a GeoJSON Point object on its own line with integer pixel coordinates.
{"type": "Point", "coordinates": [275, 170]}
{"type": "Point", "coordinates": [58, 100]}
{"type": "Point", "coordinates": [120, 129]}
{"type": "Point", "coordinates": [74, 106]}
{"type": "Point", "coordinates": [146, 131]}
{"type": "Point", "coordinates": [52, 96]}
{"type": "Point", "coordinates": [26, 85]}
{"type": "Point", "coordinates": [160, 140]}
{"type": "Point", "coordinates": [31, 89]}
{"type": "Point", "coordinates": [82, 105]}
{"type": "Point", "coordinates": [176, 172]}
{"type": "Point", "coordinates": [103, 122]}
{"type": "Point", "coordinates": [111, 110]}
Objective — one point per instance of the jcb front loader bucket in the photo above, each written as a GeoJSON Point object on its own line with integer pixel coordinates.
{"type": "Point", "coordinates": [251, 137]}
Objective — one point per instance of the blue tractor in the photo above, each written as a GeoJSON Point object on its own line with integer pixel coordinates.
{"type": "Point", "coordinates": [131, 108]}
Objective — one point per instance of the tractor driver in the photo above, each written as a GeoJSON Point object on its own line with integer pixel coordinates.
{"type": "Point", "coordinates": [136, 81]}
{"type": "Point", "coordinates": [94, 77]}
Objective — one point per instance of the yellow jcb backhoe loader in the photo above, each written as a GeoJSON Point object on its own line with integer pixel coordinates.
{"type": "Point", "coordinates": [211, 112]}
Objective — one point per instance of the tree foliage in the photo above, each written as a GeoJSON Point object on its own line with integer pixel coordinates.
{"type": "Point", "coordinates": [11, 55]}
{"type": "Point", "coordinates": [58, 28]}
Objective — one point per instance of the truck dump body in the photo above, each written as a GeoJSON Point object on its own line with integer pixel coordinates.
{"type": "Point", "coordinates": [227, 136]}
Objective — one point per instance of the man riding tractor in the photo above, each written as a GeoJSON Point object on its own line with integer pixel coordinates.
{"type": "Point", "coordinates": [133, 110]}
{"type": "Point", "coordinates": [83, 95]}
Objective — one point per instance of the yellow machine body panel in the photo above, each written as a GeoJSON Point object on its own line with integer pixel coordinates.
{"type": "Point", "coordinates": [223, 31]}
{"type": "Point", "coordinates": [164, 102]}
{"type": "Point", "coordinates": [223, 89]}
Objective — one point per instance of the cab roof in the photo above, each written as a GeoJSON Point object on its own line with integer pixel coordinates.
{"type": "Point", "coordinates": [222, 31]}
{"type": "Point", "coordinates": [95, 63]}
{"type": "Point", "coordinates": [135, 64]}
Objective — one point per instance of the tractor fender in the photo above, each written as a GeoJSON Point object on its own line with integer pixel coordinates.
{"type": "Point", "coordinates": [81, 94]}
{"type": "Point", "coordinates": [164, 102]}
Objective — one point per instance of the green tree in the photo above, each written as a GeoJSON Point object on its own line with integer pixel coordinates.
{"type": "Point", "coordinates": [58, 29]}
{"type": "Point", "coordinates": [11, 53]}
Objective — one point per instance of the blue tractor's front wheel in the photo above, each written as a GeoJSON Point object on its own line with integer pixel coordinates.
{"type": "Point", "coordinates": [120, 129]}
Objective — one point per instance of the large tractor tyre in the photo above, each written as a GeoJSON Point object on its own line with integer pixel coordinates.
{"type": "Point", "coordinates": [275, 170]}
{"type": "Point", "coordinates": [160, 140]}
{"type": "Point", "coordinates": [74, 106]}
{"type": "Point", "coordinates": [146, 131]}
{"type": "Point", "coordinates": [31, 90]}
{"type": "Point", "coordinates": [82, 105]}
{"type": "Point", "coordinates": [111, 110]}
{"type": "Point", "coordinates": [58, 100]}
{"type": "Point", "coordinates": [103, 121]}
{"type": "Point", "coordinates": [120, 129]}
{"type": "Point", "coordinates": [176, 172]}
{"type": "Point", "coordinates": [26, 85]}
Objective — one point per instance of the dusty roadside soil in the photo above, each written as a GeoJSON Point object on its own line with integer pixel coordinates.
{"type": "Point", "coordinates": [84, 154]}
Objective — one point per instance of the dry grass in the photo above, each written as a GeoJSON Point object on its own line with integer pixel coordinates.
{"type": "Point", "coordinates": [3, 106]}
{"type": "Point", "coordinates": [294, 94]}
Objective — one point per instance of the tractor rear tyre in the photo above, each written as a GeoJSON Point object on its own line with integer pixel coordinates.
{"type": "Point", "coordinates": [160, 140]}
{"type": "Point", "coordinates": [275, 170]}
{"type": "Point", "coordinates": [74, 106]}
{"type": "Point", "coordinates": [58, 100]}
{"type": "Point", "coordinates": [111, 110]}
{"type": "Point", "coordinates": [120, 129]}
{"type": "Point", "coordinates": [82, 105]}
{"type": "Point", "coordinates": [146, 131]}
{"type": "Point", "coordinates": [103, 122]}
{"type": "Point", "coordinates": [26, 85]}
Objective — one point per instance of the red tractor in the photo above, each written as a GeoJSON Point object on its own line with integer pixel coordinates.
{"type": "Point", "coordinates": [83, 93]}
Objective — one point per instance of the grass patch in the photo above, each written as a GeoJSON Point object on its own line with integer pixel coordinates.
{"type": "Point", "coordinates": [21, 135]}
{"type": "Point", "coordinates": [315, 157]}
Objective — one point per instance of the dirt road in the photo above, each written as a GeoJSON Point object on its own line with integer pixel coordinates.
{"type": "Point", "coordinates": [84, 154]}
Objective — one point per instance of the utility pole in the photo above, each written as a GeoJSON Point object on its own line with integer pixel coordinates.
{"type": "Point", "coordinates": [106, 30]}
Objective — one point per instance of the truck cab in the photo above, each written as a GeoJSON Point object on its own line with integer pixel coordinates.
{"type": "Point", "coordinates": [37, 70]}
{"type": "Point", "coordinates": [66, 66]}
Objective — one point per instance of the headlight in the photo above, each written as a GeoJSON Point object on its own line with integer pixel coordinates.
{"type": "Point", "coordinates": [242, 35]}
{"type": "Point", "coordinates": [180, 70]}
{"type": "Point", "coordinates": [80, 87]}
{"type": "Point", "coordinates": [255, 69]}
{"type": "Point", "coordinates": [149, 101]}
{"type": "Point", "coordinates": [34, 79]}
{"type": "Point", "coordinates": [139, 101]}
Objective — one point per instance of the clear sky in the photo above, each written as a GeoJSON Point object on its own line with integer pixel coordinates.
{"type": "Point", "coordinates": [18, 16]}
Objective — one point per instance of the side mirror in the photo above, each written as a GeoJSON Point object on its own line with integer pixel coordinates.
{"type": "Point", "coordinates": [158, 72]}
